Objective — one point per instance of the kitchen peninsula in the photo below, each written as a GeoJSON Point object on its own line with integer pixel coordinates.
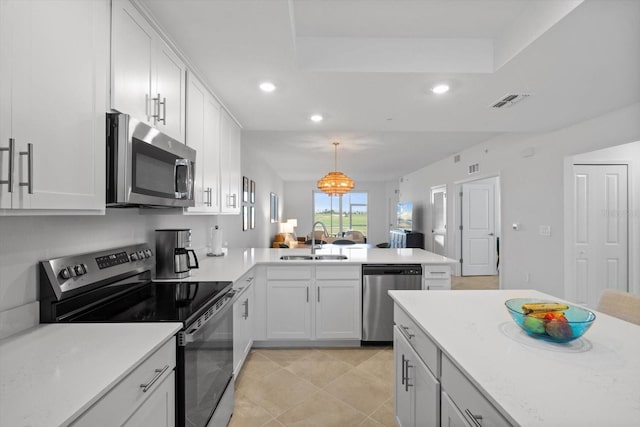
{"type": "Point", "coordinates": [481, 367]}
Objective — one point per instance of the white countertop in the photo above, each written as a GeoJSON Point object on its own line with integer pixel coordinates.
{"type": "Point", "coordinates": [592, 381]}
{"type": "Point", "coordinates": [51, 374]}
{"type": "Point", "coordinates": [237, 262]}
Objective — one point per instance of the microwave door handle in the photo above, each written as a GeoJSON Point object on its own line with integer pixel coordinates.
{"type": "Point", "coordinates": [190, 174]}
{"type": "Point", "coordinates": [180, 163]}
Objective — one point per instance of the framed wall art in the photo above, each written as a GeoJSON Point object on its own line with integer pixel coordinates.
{"type": "Point", "coordinates": [245, 189]}
{"type": "Point", "coordinates": [274, 208]}
{"type": "Point", "coordinates": [252, 192]}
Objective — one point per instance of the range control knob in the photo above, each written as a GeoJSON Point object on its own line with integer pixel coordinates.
{"type": "Point", "coordinates": [79, 269]}
{"type": "Point", "coordinates": [65, 274]}
{"type": "Point", "coordinates": [133, 256]}
{"type": "Point", "coordinates": [148, 253]}
{"type": "Point", "coordinates": [140, 255]}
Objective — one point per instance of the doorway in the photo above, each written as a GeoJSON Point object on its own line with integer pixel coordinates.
{"type": "Point", "coordinates": [600, 234]}
{"type": "Point", "coordinates": [439, 220]}
{"type": "Point", "coordinates": [478, 216]}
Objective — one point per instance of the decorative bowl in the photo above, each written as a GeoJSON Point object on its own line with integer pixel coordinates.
{"type": "Point", "coordinates": [559, 327]}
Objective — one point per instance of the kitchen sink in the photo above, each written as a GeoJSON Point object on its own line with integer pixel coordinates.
{"type": "Point", "coordinates": [330, 257]}
{"type": "Point", "coordinates": [296, 257]}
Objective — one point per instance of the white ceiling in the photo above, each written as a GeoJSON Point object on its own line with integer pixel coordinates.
{"type": "Point", "coordinates": [367, 66]}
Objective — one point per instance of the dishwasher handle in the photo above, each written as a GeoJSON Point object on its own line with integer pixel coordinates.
{"type": "Point", "coordinates": [392, 270]}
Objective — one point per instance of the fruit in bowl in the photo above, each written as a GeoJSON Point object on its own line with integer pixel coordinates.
{"type": "Point", "coordinates": [548, 320]}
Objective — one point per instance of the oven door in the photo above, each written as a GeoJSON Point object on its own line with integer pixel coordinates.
{"type": "Point", "coordinates": [205, 365]}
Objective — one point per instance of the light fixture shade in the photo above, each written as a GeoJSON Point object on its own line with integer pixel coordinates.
{"type": "Point", "coordinates": [336, 183]}
{"type": "Point", "coordinates": [293, 222]}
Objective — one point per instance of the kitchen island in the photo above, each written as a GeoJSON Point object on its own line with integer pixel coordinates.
{"type": "Point", "coordinates": [479, 358]}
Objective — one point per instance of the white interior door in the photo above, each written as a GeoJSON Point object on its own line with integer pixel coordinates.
{"type": "Point", "coordinates": [478, 229]}
{"type": "Point", "coordinates": [601, 230]}
{"type": "Point", "coordinates": [438, 220]}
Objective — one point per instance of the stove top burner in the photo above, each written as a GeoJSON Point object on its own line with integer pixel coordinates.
{"type": "Point", "coordinates": [158, 301]}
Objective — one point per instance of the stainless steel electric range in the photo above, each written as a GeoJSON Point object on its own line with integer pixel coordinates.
{"type": "Point", "coordinates": [115, 286]}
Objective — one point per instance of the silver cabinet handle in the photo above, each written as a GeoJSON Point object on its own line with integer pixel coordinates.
{"type": "Point", "coordinates": [403, 378]}
{"type": "Point", "coordinates": [318, 294]}
{"type": "Point", "coordinates": [208, 191]}
{"type": "Point", "coordinates": [229, 198]}
{"type": "Point", "coordinates": [307, 294]}
{"type": "Point", "coordinates": [245, 315]}
{"type": "Point", "coordinates": [406, 382]}
{"type": "Point", "coordinates": [233, 196]}
{"type": "Point", "coordinates": [10, 149]}
{"type": "Point", "coordinates": [476, 419]}
{"type": "Point", "coordinates": [29, 154]}
{"type": "Point", "coordinates": [159, 372]}
{"type": "Point", "coordinates": [156, 109]}
{"type": "Point", "coordinates": [491, 234]}
{"type": "Point", "coordinates": [406, 333]}
{"type": "Point", "coordinates": [164, 110]}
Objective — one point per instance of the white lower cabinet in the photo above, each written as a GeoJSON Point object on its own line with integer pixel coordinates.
{"type": "Point", "coordinates": [450, 415]}
{"type": "Point", "coordinates": [159, 409]}
{"type": "Point", "coordinates": [436, 277]}
{"type": "Point", "coordinates": [145, 397]}
{"type": "Point", "coordinates": [429, 389]}
{"type": "Point", "coordinates": [313, 303]}
{"type": "Point", "coordinates": [416, 389]}
{"type": "Point", "coordinates": [243, 321]}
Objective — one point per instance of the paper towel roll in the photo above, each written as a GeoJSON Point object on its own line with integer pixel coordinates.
{"type": "Point", "coordinates": [216, 242]}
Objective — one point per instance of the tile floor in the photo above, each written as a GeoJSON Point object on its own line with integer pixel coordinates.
{"type": "Point", "coordinates": [315, 387]}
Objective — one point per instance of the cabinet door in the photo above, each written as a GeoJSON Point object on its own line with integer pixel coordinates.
{"type": "Point", "coordinates": [425, 399]}
{"type": "Point", "coordinates": [288, 310]}
{"type": "Point", "coordinates": [242, 328]}
{"type": "Point", "coordinates": [338, 313]}
{"type": "Point", "coordinates": [132, 52]}
{"type": "Point", "coordinates": [451, 416]}
{"type": "Point", "coordinates": [210, 160]}
{"type": "Point", "coordinates": [229, 164]}
{"type": "Point", "coordinates": [159, 409]}
{"type": "Point", "coordinates": [401, 391]}
{"type": "Point", "coordinates": [169, 91]}
{"type": "Point", "coordinates": [195, 136]}
{"type": "Point", "coordinates": [59, 59]}
{"type": "Point", "coordinates": [6, 35]}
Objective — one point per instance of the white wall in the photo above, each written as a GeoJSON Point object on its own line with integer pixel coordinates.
{"type": "Point", "coordinates": [298, 203]}
{"type": "Point", "coordinates": [24, 241]}
{"type": "Point", "coordinates": [532, 191]}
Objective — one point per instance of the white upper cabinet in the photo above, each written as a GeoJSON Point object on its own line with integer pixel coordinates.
{"type": "Point", "coordinates": [148, 78]}
{"type": "Point", "coordinates": [203, 135]}
{"type": "Point", "coordinates": [53, 98]}
{"type": "Point", "coordinates": [230, 174]}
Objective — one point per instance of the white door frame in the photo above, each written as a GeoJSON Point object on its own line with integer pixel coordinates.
{"type": "Point", "coordinates": [455, 236]}
{"type": "Point", "coordinates": [570, 291]}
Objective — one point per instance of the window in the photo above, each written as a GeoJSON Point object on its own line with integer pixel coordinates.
{"type": "Point", "coordinates": [341, 214]}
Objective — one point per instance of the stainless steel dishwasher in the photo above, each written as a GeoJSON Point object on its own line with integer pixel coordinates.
{"type": "Point", "coordinates": [377, 305]}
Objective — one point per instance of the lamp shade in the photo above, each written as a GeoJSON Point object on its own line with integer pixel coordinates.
{"type": "Point", "coordinates": [335, 183]}
{"type": "Point", "coordinates": [293, 222]}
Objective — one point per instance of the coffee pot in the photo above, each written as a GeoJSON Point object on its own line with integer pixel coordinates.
{"type": "Point", "coordinates": [174, 259]}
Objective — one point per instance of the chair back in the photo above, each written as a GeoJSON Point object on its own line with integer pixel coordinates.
{"type": "Point", "coordinates": [620, 304]}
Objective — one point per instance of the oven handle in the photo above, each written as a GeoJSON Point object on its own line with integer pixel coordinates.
{"type": "Point", "coordinates": [185, 337]}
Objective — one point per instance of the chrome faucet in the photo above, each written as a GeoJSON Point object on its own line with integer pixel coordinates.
{"type": "Point", "coordinates": [313, 235]}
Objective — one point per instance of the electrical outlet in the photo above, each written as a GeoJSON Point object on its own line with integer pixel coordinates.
{"type": "Point", "coordinates": [544, 230]}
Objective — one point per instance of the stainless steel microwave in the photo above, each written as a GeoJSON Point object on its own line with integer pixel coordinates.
{"type": "Point", "coordinates": [146, 167]}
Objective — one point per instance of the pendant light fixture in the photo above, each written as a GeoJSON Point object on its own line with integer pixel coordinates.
{"type": "Point", "coordinates": [335, 183]}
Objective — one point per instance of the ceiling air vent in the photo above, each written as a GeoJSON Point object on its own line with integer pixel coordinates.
{"type": "Point", "coordinates": [509, 100]}
{"type": "Point", "coordinates": [474, 168]}
{"type": "Point", "coordinates": [456, 158]}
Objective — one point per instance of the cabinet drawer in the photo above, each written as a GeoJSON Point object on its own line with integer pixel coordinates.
{"type": "Point", "coordinates": [436, 272]}
{"type": "Point", "coordinates": [338, 272]}
{"type": "Point", "coordinates": [468, 398]}
{"type": "Point", "coordinates": [436, 285]}
{"type": "Point", "coordinates": [289, 273]}
{"type": "Point", "coordinates": [422, 344]}
{"type": "Point", "coordinates": [126, 396]}
{"type": "Point", "coordinates": [245, 281]}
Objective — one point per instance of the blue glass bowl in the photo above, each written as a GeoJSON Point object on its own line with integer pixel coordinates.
{"type": "Point", "coordinates": [579, 320]}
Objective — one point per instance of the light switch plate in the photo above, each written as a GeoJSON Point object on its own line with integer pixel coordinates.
{"type": "Point", "coordinates": [545, 230]}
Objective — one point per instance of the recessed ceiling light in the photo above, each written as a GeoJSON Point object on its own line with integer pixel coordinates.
{"type": "Point", "coordinates": [316, 118]}
{"type": "Point", "coordinates": [267, 87]}
{"type": "Point", "coordinates": [440, 89]}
